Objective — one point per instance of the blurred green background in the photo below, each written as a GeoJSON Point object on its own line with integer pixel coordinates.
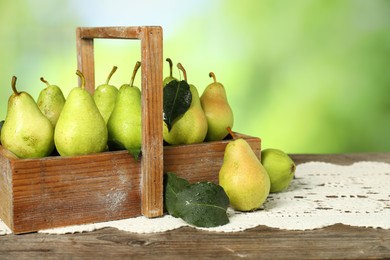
{"type": "Point", "coordinates": [305, 76]}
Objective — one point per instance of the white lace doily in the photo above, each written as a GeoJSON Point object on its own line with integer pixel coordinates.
{"type": "Point", "coordinates": [322, 194]}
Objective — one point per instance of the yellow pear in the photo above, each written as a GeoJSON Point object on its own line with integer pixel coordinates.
{"type": "Point", "coordinates": [190, 128]}
{"type": "Point", "coordinates": [80, 128]}
{"type": "Point", "coordinates": [217, 110]}
{"type": "Point", "coordinates": [280, 168]}
{"type": "Point", "coordinates": [243, 177]}
{"type": "Point", "coordinates": [105, 97]}
{"type": "Point", "coordinates": [50, 101]}
{"type": "Point", "coordinates": [124, 125]}
{"type": "Point", "coordinates": [26, 131]}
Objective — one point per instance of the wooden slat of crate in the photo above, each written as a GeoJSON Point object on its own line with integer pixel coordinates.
{"type": "Point", "coordinates": [61, 191]}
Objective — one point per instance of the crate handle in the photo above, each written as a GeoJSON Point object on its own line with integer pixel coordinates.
{"type": "Point", "coordinates": [151, 98]}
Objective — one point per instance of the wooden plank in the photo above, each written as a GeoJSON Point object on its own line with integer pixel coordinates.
{"type": "Point", "coordinates": [6, 204]}
{"type": "Point", "coordinates": [54, 192]}
{"type": "Point", "coordinates": [334, 242]}
{"type": "Point", "coordinates": [118, 32]}
{"type": "Point", "coordinates": [86, 60]}
{"type": "Point", "coordinates": [152, 111]}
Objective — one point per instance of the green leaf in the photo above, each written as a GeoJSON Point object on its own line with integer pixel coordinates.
{"type": "Point", "coordinates": [172, 186]}
{"type": "Point", "coordinates": [203, 204]}
{"type": "Point", "coordinates": [114, 145]}
{"type": "Point", "coordinates": [177, 99]}
{"type": "Point", "coordinates": [136, 152]}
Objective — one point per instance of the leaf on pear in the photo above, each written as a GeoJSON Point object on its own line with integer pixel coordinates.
{"type": "Point", "coordinates": [177, 99]}
{"type": "Point", "coordinates": [135, 151]}
{"type": "Point", "coordinates": [172, 186]}
{"type": "Point", "coordinates": [203, 204]}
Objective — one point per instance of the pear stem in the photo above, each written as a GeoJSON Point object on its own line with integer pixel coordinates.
{"type": "Point", "coordinates": [170, 66]}
{"type": "Point", "coordinates": [212, 75]}
{"type": "Point", "coordinates": [80, 74]}
{"type": "Point", "coordinates": [44, 81]}
{"type": "Point", "coordinates": [136, 67]}
{"type": "Point", "coordinates": [111, 73]}
{"type": "Point", "coordinates": [231, 132]}
{"type": "Point", "coordinates": [183, 70]}
{"type": "Point", "coordinates": [13, 84]}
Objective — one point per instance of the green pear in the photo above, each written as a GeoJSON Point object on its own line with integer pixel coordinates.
{"type": "Point", "coordinates": [170, 77]}
{"type": "Point", "coordinates": [243, 177]}
{"type": "Point", "coordinates": [105, 96]}
{"type": "Point", "coordinates": [124, 125]}
{"type": "Point", "coordinates": [80, 129]}
{"type": "Point", "coordinates": [280, 168]}
{"type": "Point", "coordinates": [217, 110]}
{"type": "Point", "coordinates": [50, 101]}
{"type": "Point", "coordinates": [190, 128]}
{"type": "Point", "coordinates": [26, 131]}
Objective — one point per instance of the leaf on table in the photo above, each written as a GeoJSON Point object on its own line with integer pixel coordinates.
{"type": "Point", "coordinates": [172, 186]}
{"type": "Point", "coordinates": [177, 99]}
{"type": "Point", "coordinates": [203, 204]}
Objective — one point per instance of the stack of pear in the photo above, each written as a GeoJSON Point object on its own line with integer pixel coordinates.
{"type": "Point", "coordinates": [170, 77]}
{"type": "Point", "coordinates": [190, 128]}
{"type": "Point", "coordinates": [217, 110]}
{"type": "Point", "coordinates": [243, 177]}
{"type": "Point", "coordinates": [124, 125]}
{"type": "Point", "coordinates": [50, 101]}
{"type": "Point", "coordinates": [80, 129]}
{"type": "Point", "coordinates": [105, 97]}
{"type": "Point", "coordinates": [26, 131]}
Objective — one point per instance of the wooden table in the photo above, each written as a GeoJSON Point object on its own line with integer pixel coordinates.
{"type": "Point", "coordinates": [333, 242]}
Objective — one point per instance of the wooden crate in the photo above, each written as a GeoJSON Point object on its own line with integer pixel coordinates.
{"type": "Point", "coordinates": [57, 191]}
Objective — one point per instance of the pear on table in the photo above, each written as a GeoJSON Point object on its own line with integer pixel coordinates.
{"type": "Point", "coordinates": [124, 125]}
{"type": "Point", "coordinates": [280, 168]}
{"type": "Point", "coordinates": [170, 77]}
{"type": "Point", "coordinates": [80, 129]}
{"type": "Point", "coordinates": [190, 128]}
{"type": "Point", "coordinates": [105, 97]}
{"type": "Point", "coordinates": [217, 110]}
{"type": "Point", "coordinates": [243, 177]}
{"type": "Point", "coordinates": [26, 131]}
{"type": "Point", "coordinates": [50, 101]}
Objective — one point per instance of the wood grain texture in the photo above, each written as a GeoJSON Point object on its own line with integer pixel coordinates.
{"type": "Point", "coordinates": [333, 242]}
{"type": "Point", "coordinates": [86, 60]}
{"type": "Point", "coordinates": [152, 128]}
{"type": "Point", "coordinates": [59, 191]}
{"type": "Point", "coordinates": [114, 32]}
{"type": "Point", "coordinates": [5, 189]}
